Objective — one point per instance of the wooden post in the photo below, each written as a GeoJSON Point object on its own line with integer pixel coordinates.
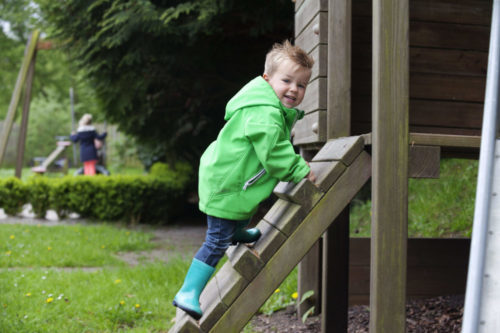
{"type": "Point", "coordinates": [16, 95]}
{"type": "Point", "coordinates": [335, 272]}
{"type": "Point", "coordinates": [390, 92]}
{"type": "Point", "coordinates": [21, 141]}
{"type": "Point", "coordinates": [335, 291]}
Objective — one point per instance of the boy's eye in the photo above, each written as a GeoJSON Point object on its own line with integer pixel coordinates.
{"type": "Point", "coordinates": [286, 80]}
{"type": "Point", "coordinates": [301, 86]}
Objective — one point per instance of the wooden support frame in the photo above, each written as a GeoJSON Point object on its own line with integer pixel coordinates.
{"type": "Point", "coordinates": [390, 134]}
{"type": "Point", "coordinates": [21, 141]}
{"type": "Point", "coordinates": [16, 95]}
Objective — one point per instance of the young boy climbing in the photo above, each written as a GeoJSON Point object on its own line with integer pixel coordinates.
{"type": "Point", "coordinates": [252, 153]}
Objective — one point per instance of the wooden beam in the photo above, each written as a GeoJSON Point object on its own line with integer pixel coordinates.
{"type": "Point", "coordinates": [390, 92]}
{"type": "Point", "coordinates": [339, 69]}
{"type": "Point", "coordinates": [21, 141]}
{"type": "Point", "coordinates": [441, 140]}
{"type": "Point", "coordinates": [16, 95]}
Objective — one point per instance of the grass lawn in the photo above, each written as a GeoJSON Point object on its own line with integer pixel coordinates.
{"type": "Point", "coordinates": [67, 279]}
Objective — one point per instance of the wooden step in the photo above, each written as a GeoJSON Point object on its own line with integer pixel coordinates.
{"type": "Point", "coordinates": [296, 246]}
{"type": "Point", "coordinates": [285, 216]}
{"type": "Point", "coordinates": [244, 260]}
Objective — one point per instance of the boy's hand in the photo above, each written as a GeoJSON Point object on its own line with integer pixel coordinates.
{"type": "Point", "coordinates": [311, 176]}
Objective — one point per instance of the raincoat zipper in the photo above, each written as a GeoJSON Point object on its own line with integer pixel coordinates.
{"type": "Point", "coordinates": [255, 178]}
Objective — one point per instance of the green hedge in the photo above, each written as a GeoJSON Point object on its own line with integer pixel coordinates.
{"type": "Point", "coordinates": [134, 199]}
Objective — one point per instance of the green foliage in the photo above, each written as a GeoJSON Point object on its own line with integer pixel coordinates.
{"type": "Point", "coordinates": [39, 195]}
{"type": "Point", "coordinates": [282, 297]}
{"type": "Point", "coordinates": [145, 199]}
{"type": "Point", "coordinates": [163, 69]}
{"type": "Point", "coordinates": [441, 207]}
{"type": "Point", "coordinates": [13, 195]}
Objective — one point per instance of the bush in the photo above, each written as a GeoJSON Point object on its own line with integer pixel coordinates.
{"type": "Point", "coordinates": [134, 199]}
{"type": "Point", "coordinates": [13, 195]}
{"type": "Point", "coordinates": [39, 189]}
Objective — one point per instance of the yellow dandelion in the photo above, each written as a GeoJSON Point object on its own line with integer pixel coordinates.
{"type": "Point", "coordinates": [8, 253]}
{"type": "Point", "coordinates": [277, 291]}
{"type": "Point", "coordinates": [28, 294]}
{"type": "Point", "coordinates": [122, 302]}
{"type": "Point", "coordinates": [295, 295]}
{"type": "Point", "coordinates": [103, 246]}
{"type": "Point", "coordinates": [49, 248]}
{"type": "Point", "coordinates": [137, 306]}
{"type": "Point", "coordinates": [12, 237]}
{"type": "Point", "coordinates": [118, 281]}
{"type": "Point", "coordinates": [49, 300]}
{"type": "Point", "coordinates": [127, 233]}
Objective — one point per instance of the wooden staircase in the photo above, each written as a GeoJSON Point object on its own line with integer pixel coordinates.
{"type": "Point", "coordinates": [295, 222]}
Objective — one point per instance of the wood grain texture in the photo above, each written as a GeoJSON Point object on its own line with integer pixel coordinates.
{"type": "Point", "coordinates": [424, 161]}
{"type": "Point", "coordinates": [390, 91]}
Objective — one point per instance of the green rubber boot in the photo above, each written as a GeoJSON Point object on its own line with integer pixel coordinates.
{"type": "Point", "coordinates": [245, 236]}
{"type": "Point", "coordinates": [188, 297]}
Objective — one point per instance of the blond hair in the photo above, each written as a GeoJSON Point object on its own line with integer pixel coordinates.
{"type": "Point", "coordinates": [283, 51]}
{"type": "Point", "coordinates": [85, 120]}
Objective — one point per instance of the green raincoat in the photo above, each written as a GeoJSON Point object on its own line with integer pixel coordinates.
{"type": "Point", "coordinates": [251, 154]}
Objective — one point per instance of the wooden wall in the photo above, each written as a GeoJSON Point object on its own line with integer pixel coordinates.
{"type": "Point", "coordinates": [449, 42]}
{"type": "Point", "coordinates": [435, 267]}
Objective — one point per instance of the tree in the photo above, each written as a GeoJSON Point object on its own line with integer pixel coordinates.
{"type": "Point", "coordinates": [164, 69]}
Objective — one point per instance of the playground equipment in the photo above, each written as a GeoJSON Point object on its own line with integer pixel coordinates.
{"type": "Point", "coordinates": [61, 147]}
{"type": "Point", "coordinates": [368, 55]}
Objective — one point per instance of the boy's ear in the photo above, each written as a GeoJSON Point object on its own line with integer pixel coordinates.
{"type": "Point", "coordinates": [265, 76]}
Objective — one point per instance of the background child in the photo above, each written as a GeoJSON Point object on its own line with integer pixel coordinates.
{"type": "Point", "coordinates": [252, 153]}
{"type": "Point", "coordinates": [87, 135]}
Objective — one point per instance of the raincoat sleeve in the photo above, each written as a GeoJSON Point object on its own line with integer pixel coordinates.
{"type": "Point", "coordinates": [274, 148]}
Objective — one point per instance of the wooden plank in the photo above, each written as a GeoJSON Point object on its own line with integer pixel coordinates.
{"type": "Point", "coordinates": [309, 39]}
{"type": "Point", "coordinates": [390, 165]}
{"type": "Point", "coordinates": [339, 69]}
{"type": "Point", "coordinates": [476, 12]}
{"type": "Point", "coordinates": [311, 129]}
{"type": "Point", "coordinates": [430, 113]}
{"type": "Point", "coordinates": [432, 60]}
{"type": "Point", "coordinates": [432, 86]}
{"type": "Point", "coordinates": [320, 66]}
{"type": "Point", "coordinates": [436, 267]}
{"type": "Point", "coordinates": [229, 283]}
{"type": "Point", "coordinates": [297, 245]}
{"type": "Point", "coordinates": [245, 261]}
{"type": "Point", "coordinates": [315, 96]}
{"type": "Point", "coordinates": [344, 149]}
{"type": "Point", "coordinates": [305, 193]}
{"type": "Point", "coordinates": [307, 12]}
{"type": "Point", "coordinates": [445, 140]}
{"type": "Point", "coordinates": [285, 216]}
{"type": "Point", "coordinates": [16, 95]}
{"type": "Point", "coordinates": [327, 173]}
{"type": "Point", "coordinates": [298, 4]}
{"type": "Point", "coordinates": [431, 34]}
{"type": "Point", "coordinates": [21, 141]}
{"type": "Point", "coordinates": [184, 323]}
{"type": "Point", "coordinates": [269, 242]}
{"type": "Point", "coordinates": [424, 161]}
{"type": "Point", "coordinates": [335, 295]}
{"type": "Point", "coordinates": [211, 305]}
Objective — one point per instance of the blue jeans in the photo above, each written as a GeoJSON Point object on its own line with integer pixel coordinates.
{"type": "Point", "coordinates": [218, 238]}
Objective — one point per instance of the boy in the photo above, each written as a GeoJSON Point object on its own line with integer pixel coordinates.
{"type": "Point", "coordinates": [251, 154]}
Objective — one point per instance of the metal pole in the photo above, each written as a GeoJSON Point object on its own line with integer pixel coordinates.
{"type": "Point", "coordinates": [72, 102]}
{"type": "Point", "coordinates": [483, 193]}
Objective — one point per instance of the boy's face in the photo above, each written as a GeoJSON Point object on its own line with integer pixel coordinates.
{"type": "Point", "coordinates": [289, 82]}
